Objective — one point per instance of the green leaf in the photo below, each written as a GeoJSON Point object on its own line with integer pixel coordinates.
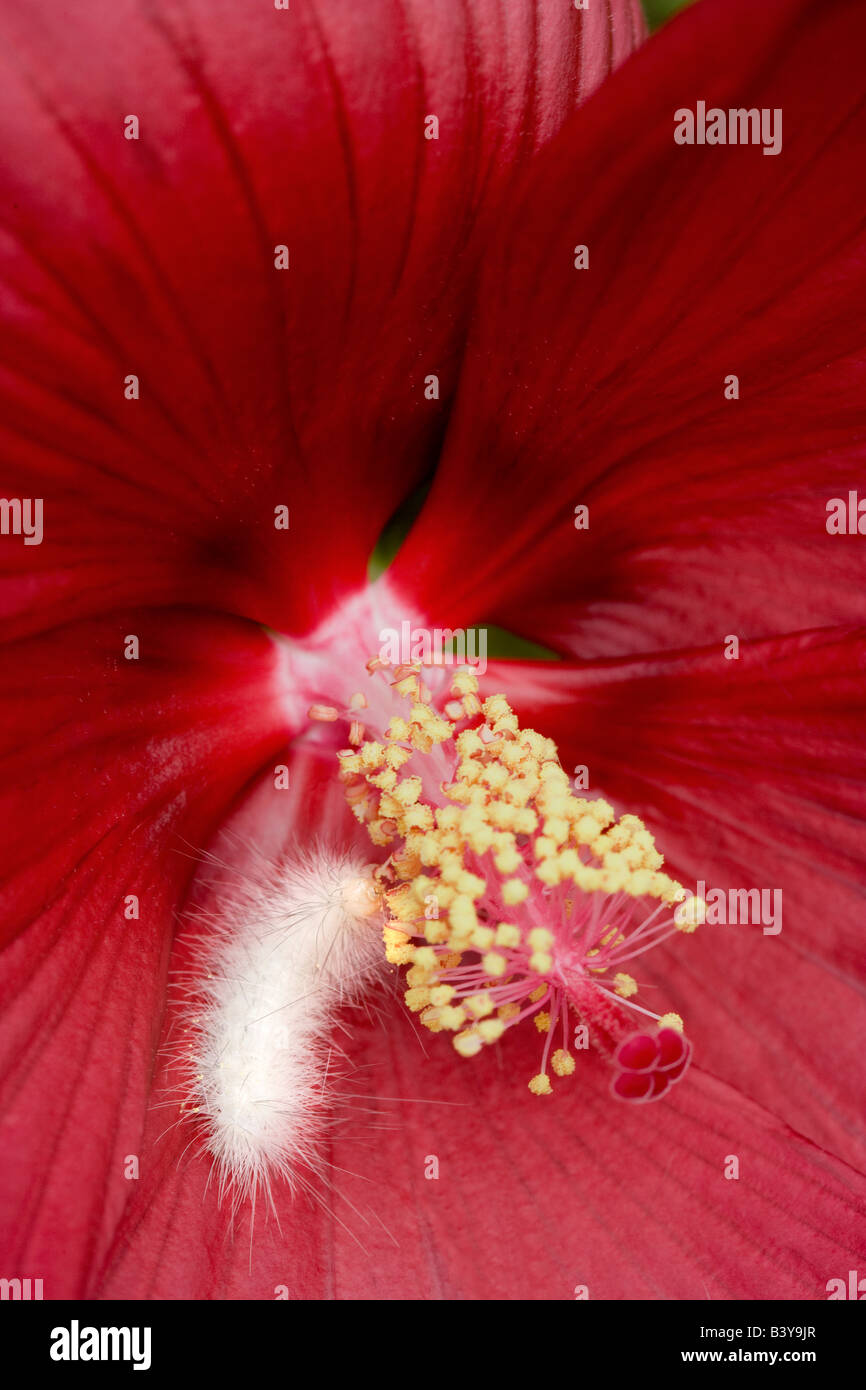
{"type": "Point", "coordinates": [657, 11]}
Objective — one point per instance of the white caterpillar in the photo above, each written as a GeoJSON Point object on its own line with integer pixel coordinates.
{"type": "Point", "coordinates": [271, 968]}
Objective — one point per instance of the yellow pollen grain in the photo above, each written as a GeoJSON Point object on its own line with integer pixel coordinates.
{"type": "Point", "coordinates": [502, 815]}
{"type": "Point", "coordinates": [491, 1029]}
{"type": "Point", "coordinates": [540, 939]}
{"type": "Point", "coordinates": [461, 915]}
{"type": "Point", "coordinates": [464, 683]}
{"type": "Point", "coordinates": [416, 999]}
{"type": "Point", "coordinates": [418, 818]}
{"type": "Point", "coordinates": [542, 1022]}
{"type": "Point", "coordinates": [436, 932]}
{"type": "Point", "coordinates": [385, 781]}
{"type": "Point", "coordinates": [690, 914]}
{"type": "Point", "coordinates": [408, 791]}
{"type": "Point", "coordinates": [422, 886]}
{"type": "Point", "coordinates": [508, 1011]}
{"type": "Point", "coordinates": [468, 1043]}
{"type": "Point", "coordinates": [556, 827]}
{"type": "Point", "coordinates": [624, 985]}
{"type": "Point", "coordinates": [398, 955]}
{"type": "Point", "coordinates": [483, 938]}
{"type": "Point", "coordinates": [441, 995]}
{"type": "Point", "coordinates": [514, 891]}
{"type": "Point", "coordinates": [495, 707]}
{"type": "Point", "coordinates": [471, 885]}
{"type": "Point", "coordinates": [494, 964]}
{"type": "Point", "coordinates": [538, 993]}
{"type": "Point", "coordinates": [507, 860]}
{"type": "Point", "coordinates": [541, 963]}
{"type": "Point", "coordinates": [417, 975]}
{"type": "Point", "coordinates": [452, 1018]}
{"type": "Point", "coordinates": [639, 883]}
{"type": "Point", "coordinates": [495, 776]}
{"type": "Point", "coordinates": [407, 686]}
{"type": "Point", "coordinates": [372, 755]}
{"type": "Point", "coordinates": [549, 872]}
{"type": "Point", "coordinates": [666, 889]}
{"type": "Point", "coordinates": [395, 757]}
{"type": "Point", "coordinates": [671, 1021]}
{"type": "Point", "coordinates": [480, 839]}
{"type": "Point", "coordinates": [480, 1005]}
{"type": "Point", "coordinates": [401, 903]}
{"type": "Point", "coordinates": [540, 1085]}
{"type": "Point", "coordinates": [508, 935]}
{"type": "Point", "coordinates": [562, 1062]}
{"type": "Point", "coordinates": [469, 744]}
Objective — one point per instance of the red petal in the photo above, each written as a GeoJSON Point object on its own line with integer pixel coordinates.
{"type": "Point", "coordinates": [259, 388]}
{"type": "Point", "coordinates": [533, 1199]}
{"type": "Point", "coordinates": [605, 387]}
{"type": "Point", "coordinates": [144, 759]}
{"type": "Point", "coordinates": [750, 774]}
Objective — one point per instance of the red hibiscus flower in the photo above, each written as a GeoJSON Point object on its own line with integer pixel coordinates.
{"type": "Point", "coordinates": [264, 274]}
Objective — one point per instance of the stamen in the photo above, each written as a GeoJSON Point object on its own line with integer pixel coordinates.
{"type": "Point", "coordinates": [509, 897]}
